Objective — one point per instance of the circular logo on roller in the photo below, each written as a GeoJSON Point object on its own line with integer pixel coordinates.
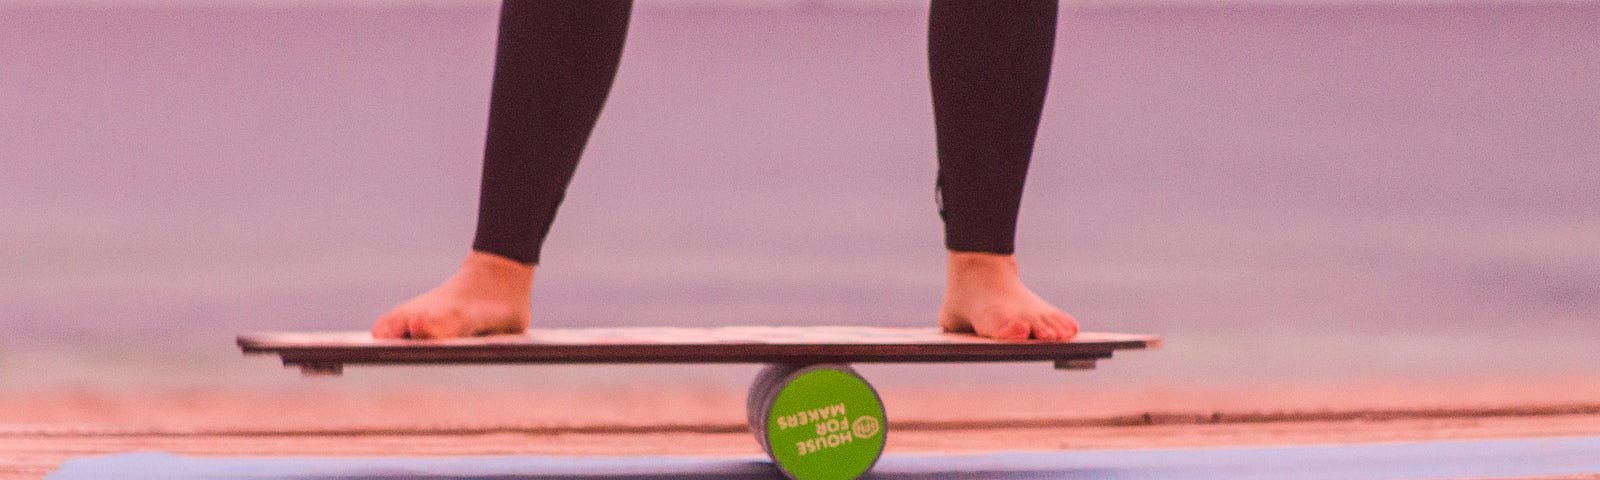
{"type": "Point", "coordinates": [826, 424]}
{"type": "Point", "coordinates": [864, 427]}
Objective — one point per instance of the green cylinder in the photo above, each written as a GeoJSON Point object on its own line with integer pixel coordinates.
{"type": "Point", "coordinates": [817, 422]}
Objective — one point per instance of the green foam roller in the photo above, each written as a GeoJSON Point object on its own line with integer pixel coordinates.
{"type": "Point", "coordinates": [817, 422]}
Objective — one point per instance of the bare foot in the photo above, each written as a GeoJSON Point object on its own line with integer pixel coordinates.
{"type": "Point", "coordinates": [983, 294]}
{"type": "Point", "coordinates": [488, 295]}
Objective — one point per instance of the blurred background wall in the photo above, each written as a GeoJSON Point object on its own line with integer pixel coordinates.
{"type": "Point", "coordinates": [1289, 191]}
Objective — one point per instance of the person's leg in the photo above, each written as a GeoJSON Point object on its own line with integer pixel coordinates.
{"type": "Point", "coordinates": [554, 65]}
{"type": "Point", "coordinates": [989, 66]}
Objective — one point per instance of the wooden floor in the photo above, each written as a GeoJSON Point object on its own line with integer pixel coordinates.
{"type": "Point", "coordinates": [31, 452]}
{"type": "Point", "coordinates": [357, 417]}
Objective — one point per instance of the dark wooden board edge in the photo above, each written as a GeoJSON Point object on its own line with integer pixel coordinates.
{"type": "Point", "coordinates": [251, 343]}
{"type": "Point", "coordinates": [693, 353]}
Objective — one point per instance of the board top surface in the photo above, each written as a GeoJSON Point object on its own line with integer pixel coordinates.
{"type": "Point", "coordinates": [744, 344]}
{"type": "Point", "coordinates": [686, 336]}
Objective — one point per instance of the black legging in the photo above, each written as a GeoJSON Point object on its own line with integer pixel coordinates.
{"type": "Point", "coordinates": [989, 64]}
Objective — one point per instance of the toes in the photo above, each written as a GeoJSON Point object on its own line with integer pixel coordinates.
{"type": "Point", "coordinates": [1065, 325]}
{"type": "Point", "coordinates": [1054, 326]}
{"type": "Point", "coordinates": [1012, 329]}
{"type": "Point", "coordinates": [390, 325]}
{"type": "Point", "coordinates": [1043, 330]}
{"type": "Point", "coordinates": [419, 327]}
{"type": "Point", "coordinates": [447, 323]}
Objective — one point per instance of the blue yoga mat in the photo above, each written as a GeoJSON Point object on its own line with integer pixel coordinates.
{"type": "Point", "coordinates": [1454, 459]}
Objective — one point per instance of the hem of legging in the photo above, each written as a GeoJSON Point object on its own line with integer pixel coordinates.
{"type": "Point", "coordinates": [525, 260]}
{"type": "Point", "coordinates": [968, 249]}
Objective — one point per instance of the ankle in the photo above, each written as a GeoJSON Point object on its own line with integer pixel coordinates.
{"type": "Point", "coordinates": [978, 268]}
{"type": "Point", "coordinates": [497, 269]}
{"type": "Point", "coordinates": [981, 263]}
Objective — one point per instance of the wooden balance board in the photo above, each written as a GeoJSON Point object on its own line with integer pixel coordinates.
{"type": "Point", "coordinates": [816, 418]}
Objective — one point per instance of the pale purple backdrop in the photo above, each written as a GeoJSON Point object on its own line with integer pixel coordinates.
{"type": "Point", "coordinates": [1284, 192]}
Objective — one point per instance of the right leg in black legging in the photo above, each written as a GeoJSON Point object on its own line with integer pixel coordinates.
{"type": "Point", "coordinates": [989, 66]}
{"type": "Point", "coordinates": [554, 65]}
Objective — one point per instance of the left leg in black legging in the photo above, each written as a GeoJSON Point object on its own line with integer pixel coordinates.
{"type": "Point", "coordinates": [989, 67]}
{"type": "Point", "coordinates": [554, 65]}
